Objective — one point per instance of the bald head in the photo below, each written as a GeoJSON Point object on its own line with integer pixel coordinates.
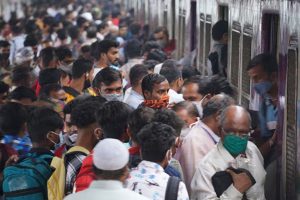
{"type": "Point", "coordinates": [235, 119]}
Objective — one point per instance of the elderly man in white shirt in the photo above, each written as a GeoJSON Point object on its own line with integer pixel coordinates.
{"type": "Point", "coordinates": [233, 150]}
{"type": "Point", "coordinates": [203, 137]}
{"type": "Point", "coordinates": [110, 159]}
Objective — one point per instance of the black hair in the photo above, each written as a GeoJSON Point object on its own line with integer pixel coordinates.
{"type": "Point", "coordinates": [170, 70]}
{"type": "Point", "coordinates": [43, 120]}
{"type": "Point", "coordinates": [266, 61]}
{"type": "Point", "coordinates": [48, 88]}
{"type": "Point", "coordinates": [113, 118]}
{"type": "Point", "coordinates": [157, 54]}
{"type": "Point", "coordinates": [155, 140]}
{"type": "Point", "coordinates": [135, 28]}
{"type": "Point", "coordinates": [170, 118]}
{"type": "Point", "coordinates": [3, 87]}
{"type": "Point", "coordinates": [162, 29]}
{"type": "Point", "coordinates": [150, 80]}
{"type": "Point", "coordinates": [149, 46]}
{"type": "Point", "coordinates": [186, 105]}
{"type": "Point", "coordinates": [80, 21]}
{"type": "Point", "coordinates": [107, 76]}
{"type": "Point", "coordinates": [84, 114]}
{"type": "Point", "coordinates": [215, 105]}
{"type": "Point", "coordinates": [221, 85]}
{"type": "Point", "coordinates": [203, 82]}
{"type": "Point", "coordinates": [138, 119]}
{"type": "Point", "coordinates": [150, 64]}
{"type": "Point", "coordinates": [73, 32]}
{"type": "Point", "coordinates": [105, 45]}
{"type": "Point", "coordinates": [62, 34]}
{"type": "Point", "coordinates": [189, 71]}
{"type": "Point", "coordinates": [22, 92]}
{"type": "Point", "coordinates": [30, 41]}
{"type": "Point", "coordinates": [13, 117]}
{"type": "Point", "coordinates": [47, 55]}
{"type": "Point", "coordinates": [20, 75]}
{"type": "Point", "coordinates": [49, 76]}
{"type": "Point", "coordinates": [137, 73]}
{"type": "Point", "coordinates": [80, 67]}
{"type": "Point", "coordinates": [132, 48]}
{"type": "Point", "coordinates": [4, 43]}
{"type": "Point", "coordinates": [91, 32]}
{"type": "Point", "coordinates": [63, 52]}
{"type": "Point", "coordinates": [219, 29]}
{"type": "Point", "coordinates": [30, 26]}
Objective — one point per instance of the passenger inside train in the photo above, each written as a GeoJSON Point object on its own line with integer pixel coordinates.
{"type": "Point", "coordinates": [96, 103]}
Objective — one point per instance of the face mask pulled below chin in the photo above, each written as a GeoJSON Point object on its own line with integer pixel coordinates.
{"type": "Point", "coordinates": [263, 87]}
{"type": "Point", "coordinates": [113, 97]}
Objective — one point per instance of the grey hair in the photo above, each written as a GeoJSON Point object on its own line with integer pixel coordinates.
{"type": "Point", "coordinates": [216, 105]}
{"type": "Point", "coordinates": [224, 113]}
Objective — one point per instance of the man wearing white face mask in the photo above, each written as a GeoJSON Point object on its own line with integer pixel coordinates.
{"type": "Point", "coordinates": [203, 136]}
{"type": "Point", "coordinates": [108, 84]}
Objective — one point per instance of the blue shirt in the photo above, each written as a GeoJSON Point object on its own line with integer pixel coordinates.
{"type": "Point", "coordinates": [267, 117]}
{"type": "Point", "coordinates": [21, 144]}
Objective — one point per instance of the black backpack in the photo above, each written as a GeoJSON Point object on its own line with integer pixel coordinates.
{"type": "Point", "coordinates": [172, 188]}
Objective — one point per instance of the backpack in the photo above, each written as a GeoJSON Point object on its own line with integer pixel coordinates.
{"type": "Point", "coordinates": [172, 188]}
{"type": "Point", "coordinates": [28, 178]}
{"type": "Point", "coordinates": [56, 183]}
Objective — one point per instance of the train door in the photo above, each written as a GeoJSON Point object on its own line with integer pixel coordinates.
{"type": "Point", "coordinates": [292, 94]}
{"type": "Point", "coordinates": [180, 30]}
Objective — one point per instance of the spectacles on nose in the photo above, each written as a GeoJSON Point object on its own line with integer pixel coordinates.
{"type": "Point", "coordinates": [244, 135]}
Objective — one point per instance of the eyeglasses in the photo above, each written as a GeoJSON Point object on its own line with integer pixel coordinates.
{"type": "Point", "coordinates": [246, 135]}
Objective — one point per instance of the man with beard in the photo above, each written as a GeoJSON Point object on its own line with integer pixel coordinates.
{"type": "Point", "coordinates": [106, 54]}
{"type": "Point", "coordinates": [82, 74]}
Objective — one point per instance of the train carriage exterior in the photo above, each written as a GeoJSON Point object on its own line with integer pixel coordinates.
{"type": "Point", "coordinates": [254, 27]}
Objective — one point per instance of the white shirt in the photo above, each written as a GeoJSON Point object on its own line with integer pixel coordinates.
{"type": "Point", "coordinates": [133, 98]}
{"type": "Point", "coordinates": [106, 189]}
{"type": "Point", "coordinates": [200, 140]}
{"type": "Point", "coordinates": [150, 180]}
{"type": "Point", "coordinates": [219, 159]}
{"type": "Point", "coordinates": [174, 96]}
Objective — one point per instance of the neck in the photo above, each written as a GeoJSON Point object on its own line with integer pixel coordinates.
{"type": "Point", "coordinates": [210, 123]}
{"type": "Point", "coordinates": [77, 84]}
{"type": "Point", "coordinates": [138, 89]}
{"type": "Point", "coordinates": [85, 138]}
{"type": "Point", "coordinates": [101, 64]}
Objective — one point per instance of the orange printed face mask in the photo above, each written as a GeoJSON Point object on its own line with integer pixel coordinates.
{"type": "Point", "coordinates": [157, 104]}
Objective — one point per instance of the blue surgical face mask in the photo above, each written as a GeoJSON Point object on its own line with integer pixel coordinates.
{"type": "Point", "coordinates": [263, 87]}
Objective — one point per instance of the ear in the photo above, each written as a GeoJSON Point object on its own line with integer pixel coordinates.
{"type": "Point", "coordinates": [98, 132]}
{"type": "Point", "coordinates": [53, 137]}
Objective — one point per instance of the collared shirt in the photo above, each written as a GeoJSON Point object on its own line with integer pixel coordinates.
{"type": "Point", "coordinates": [134, 99]}
{"type": "Point", "coordinates": [267, 117]}
{"type": "Point", "coordinates": [195, 146]}
{"type": "Point", "coordinates": [219, 159]}
{"type": "Point", "coordinates": [150, 180]}
{"type": "Point", "coordinates": [106, 189]}
{"type": "Point", "coordinates": [73, 165]}
{"type": "Point", "coordinates": [127, 67]}
{"type": "Point", "coordinates": [175, 97]}
{"type": "Point", "coordinates": [21, 145]}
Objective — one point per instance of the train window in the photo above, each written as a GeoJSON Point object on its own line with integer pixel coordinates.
{"type": "Point", "coordinates": [201, 40]}
{"type": "Point", "coordinates": [270, 26]}
{"type": "Point", "coordinates": [291, 132]}
{"type": "Point", "coordinates": [246, 57]}
{"type": "Point", "coordinates": [173, 16]}
{"type": "Point", "coordinates": [207, 35]}
{"type": "Point", "coordinates": [223, 12]}
{"type": "Point", "coordinates": [182, 31]}
{"type": "Point", "coordinates": [235, 54]}
{"type": "Point", "coordinates": [193, 32]}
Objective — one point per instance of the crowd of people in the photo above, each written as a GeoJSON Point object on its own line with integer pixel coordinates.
{"type": "Point", "coordinates": [94, 106]}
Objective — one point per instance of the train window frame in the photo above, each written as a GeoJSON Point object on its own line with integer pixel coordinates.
{"type": "Point", "coordinates": [236, 72]}
{"type": "Point", "coordinates": [208, 38]}
{"type": "Point", "coordinates": [246, 92]}
{"type": "Point", "coordinates": [223, 12]}
{"type": "Point", "coordinates": [201, 39]}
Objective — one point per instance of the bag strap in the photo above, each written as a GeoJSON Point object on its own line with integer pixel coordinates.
{"type": "Point", "coordinates": [78, 149]}
{"type": "Point", "coordinates": [172, 188]}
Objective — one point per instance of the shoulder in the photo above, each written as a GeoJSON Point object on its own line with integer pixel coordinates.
{"type": "Point", "coordinates": [126, 193]}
